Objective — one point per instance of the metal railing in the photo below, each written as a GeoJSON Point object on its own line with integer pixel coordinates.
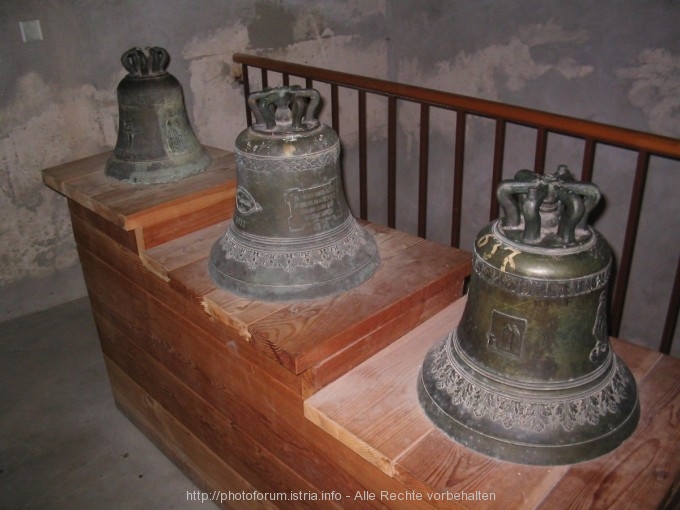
{"type": "Point", "coordinates": [645, 145]}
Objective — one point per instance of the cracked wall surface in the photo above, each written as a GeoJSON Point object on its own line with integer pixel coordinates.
{"type": "Point", "coordinates": [616, 62]}
{"type": "Point", "coordinates": [58, 102]}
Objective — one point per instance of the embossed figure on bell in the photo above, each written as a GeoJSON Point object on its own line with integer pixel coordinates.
{"type": "Point", "coordinates": [155, 141]}
{"type": "Point", "coordinates": [529, 376]}
{"type": "Point", "coordinates": [292, 235]}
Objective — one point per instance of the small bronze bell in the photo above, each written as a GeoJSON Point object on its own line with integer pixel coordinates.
{"type": "Point", "coordinates": [529, 376]}
{"type": "Point", "coordinates": [292, 235]}
{"type": "Point", "coordinates": [155, 141]}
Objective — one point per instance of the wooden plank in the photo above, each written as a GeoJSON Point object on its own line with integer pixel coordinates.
{"type": "Point", "coordinates": [641, 472]}
{"type": "Point", "coordinates": [244, 393]}
{"type": "Point", "coordinates": [370, 409]}
{"type": "Point", "coordinates": [414, 314]}
{"type": "Point", "coordinates": [173, 326]}
{"type": "Point", "coordinates": [441, 466]}
{"type": "Point", "coordinates": [639, 360]}
{"type": "Point", "coordinates": [224, 438]}
{"type": "Point", "coordinates": [56, 176]}
{"type": "Point", "coordinates": [193, 457]}
{"type": "Point", "coordinates": [176, 253]}
{"type": "Point", "coordinates": [82, 215]}
{"type": "Point", "coordinates": [187, 249]}
{"type": "Point", "coordinates": [85, 189]}
{"type": "Point", "coordinates": [133, 205]}
{"type": "Point", "coordinates": [149, 204]}
{"type": "Point", "coordinates": [192, 281]}
{"type": "Point", "coordinates": [95, 248]}
{"type": "Point", "coordinates": [300, 335]}
{"type": "Point", "coordinates": [416, 279]}
{"type": "Point", "coordinates": [190, 218]}
{"type": "Point", "coordinates": [374, 410]}
{"type": "Point", "coordinates": [241, 313]}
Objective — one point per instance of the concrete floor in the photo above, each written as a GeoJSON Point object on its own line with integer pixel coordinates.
{"type": "Point", "coordinates": [63, 443]}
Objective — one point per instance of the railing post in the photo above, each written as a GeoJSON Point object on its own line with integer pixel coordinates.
{"type": "Point", "coordinates": [497, 174]}
{"type": "Point", "coordinates": [458, 165]}
{"type": "Point", "coordinates": [363, 175]}
{"type": "Point", "coordinates": [618, 300]}
{"type": "Point", "coordinates": [422, 172]}
{"type": "Point", "coordinates": [391, 161]}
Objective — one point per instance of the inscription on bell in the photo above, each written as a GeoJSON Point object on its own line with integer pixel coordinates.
{"type": "Point", "coordinates": [310, 207]}
{"type": "Point", "coordinates": [506, 334]}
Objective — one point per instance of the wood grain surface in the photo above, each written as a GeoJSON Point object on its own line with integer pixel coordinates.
{"type": "Point", "coordinates": [374, 410]}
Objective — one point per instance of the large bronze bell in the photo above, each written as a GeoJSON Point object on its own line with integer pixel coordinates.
{"type": "Point", "coordinates": [529, 376]}
{"type": "Point", "coordinates": [155, 141]}
{"type": "Point", "coordinates": [292, 235]}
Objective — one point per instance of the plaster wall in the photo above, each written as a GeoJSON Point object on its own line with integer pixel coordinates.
{"type": "Point", "coordinates": [612, 61]}
{"type": "Point", "coordinates": [58, 102]}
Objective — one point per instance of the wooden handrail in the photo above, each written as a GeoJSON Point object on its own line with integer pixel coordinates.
{"type": "Point", "coordinates": [646, 145]}
{"type": "Point", "coordinates": [572, 126]}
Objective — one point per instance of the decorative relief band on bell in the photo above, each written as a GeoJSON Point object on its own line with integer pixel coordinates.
{"type": "Point", "coordinates": [291, 259]}
{"type": "Point", "coordinates": [245, 203]}
{"type": "Point", "coordinates": [532, 415]}
{"type": "Point", "coordinates": [525, 286]}
{"type": "Point", "coordinates": [293, 163]}
{"type": "Point", "coordinates": [528, 375]}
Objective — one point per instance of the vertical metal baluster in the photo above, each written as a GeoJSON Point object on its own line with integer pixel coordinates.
{"type": "Point", "coordinates": [458, 165]}
{"type": "Point", "coordinates": [422, 172]}
{"type": "Point", "coordinates": [246, 93]}
{"type": "Point", "coordinates": [497, 173]}
{"type": "Point", "coordinates": [335, 109]}
{"type": "Point", "coordinates": [392, 162]}
{"type": "Point", "coordinates": [363, 178]}
{"type": "Point", "coordinates": [588, 160]}
{"type": "Point", "coordinates": [623, 270]}
{"type": "Point", "coordinates": [541, 144]}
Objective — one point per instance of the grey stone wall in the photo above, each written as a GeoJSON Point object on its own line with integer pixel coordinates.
{"type": "Point", "coordinates": [612, 61]}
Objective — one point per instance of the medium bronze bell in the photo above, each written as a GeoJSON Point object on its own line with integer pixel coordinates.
{"type": "Point", "coordinates": [155, 141]}
{"type": "Point", "coordinates": [292, 235]}
{"type": "Point", "coordinates": [529, 376]}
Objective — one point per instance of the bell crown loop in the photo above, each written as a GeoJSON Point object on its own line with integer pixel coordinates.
{"type": "Point", "coordinates": [147, 63]}
{"type": "Point", "coordinates": [284, 110]}
{"type": "Point", "coordinates": [549, 211]}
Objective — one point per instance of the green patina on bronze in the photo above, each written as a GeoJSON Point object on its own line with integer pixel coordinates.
{"type": "Point", "coordinates": [155, 141]}
{"type": "Point", "coordinates": [529, 376]}
{"type": "Point", "coordinates": [292, 235]}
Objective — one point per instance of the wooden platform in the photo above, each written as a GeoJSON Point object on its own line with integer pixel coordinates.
{"type": "Point", "coordinates": [315, 399]}
{"type": "Point", "coordinates": [218, 381]}
{"type": "Point", "coordinates": [374, 410]}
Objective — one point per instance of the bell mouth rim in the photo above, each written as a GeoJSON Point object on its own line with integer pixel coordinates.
{"type": "Point", "coordinates": [143, 171]}
{"type": "Point", "coordinates": [295, 291]}
{"type": "Point", "coordinates": [545, 430]}
{"type": "Point", "coordinates": [518, 451]}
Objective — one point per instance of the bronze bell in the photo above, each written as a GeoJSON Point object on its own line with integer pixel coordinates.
{"type": "Point", "coordinates": [529, 375]}
{"type": "Point", "coordinates": [292, 235]}
{"type": "Point", "coordinates": [155, 141]}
